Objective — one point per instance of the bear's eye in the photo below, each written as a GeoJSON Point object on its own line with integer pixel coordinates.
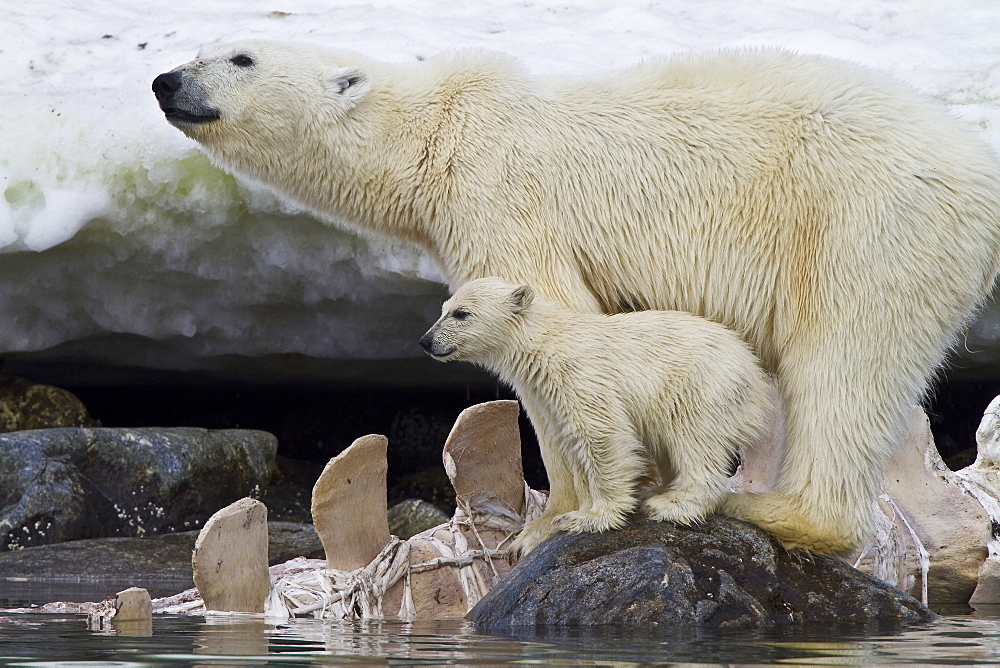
{"type": "Point", "coordinates": [242, 60]}
{"type": "Point", "coordinates": [460, 314]}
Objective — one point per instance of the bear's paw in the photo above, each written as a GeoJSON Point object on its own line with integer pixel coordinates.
{"type": "Point", "coordinates": [783, 517]}
{"type": "Point", "coordinates": [683, 509]}
{"type": "Point", "coordinates": [589, 521]}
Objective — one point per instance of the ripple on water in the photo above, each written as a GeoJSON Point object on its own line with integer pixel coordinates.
{"type": "Point", "coordinates": [31, 638]}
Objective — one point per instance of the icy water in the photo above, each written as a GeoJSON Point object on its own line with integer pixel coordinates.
{"type": "Point", "coordinates": [28, 639]}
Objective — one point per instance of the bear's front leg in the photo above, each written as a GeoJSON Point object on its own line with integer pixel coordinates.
{"type": "Point", "coordinates": [607, 466]}
{"type": "Point", "coordinates": [683, 508]}
{"type": "Point", "coordinates": [594, 520]}
{"type": "Point", "coordinates": [562, 492]}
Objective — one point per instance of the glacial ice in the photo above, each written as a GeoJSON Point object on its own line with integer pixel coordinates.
{"type": "Point", "coordinates": [121, 245]}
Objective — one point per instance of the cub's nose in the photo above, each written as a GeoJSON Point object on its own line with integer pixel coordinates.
{"type": "Point", "coordinates": [427, 341]}
{"type": "Point", "coordinates": [165, 85]}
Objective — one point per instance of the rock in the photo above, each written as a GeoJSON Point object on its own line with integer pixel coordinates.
{"type": "Point", "coordinates": [723, 573]}
{"type": "Point", "coordinates": [430, 484]}
{"type": "Point", "coordinates": [44, 499]}
{"type": "Point", "coordinates": [25, 405]}
{"type": "Point", "coordinates": [230, 558]}
{"type": "Point", "coordinates": [288, 497]}
{"type": "Point", "coordinates": [349, 504]}
{"type": "Point", "coordinates": [163, 560]}
{"type": "Point", "coordinates": [66, 484]}
{"type": "Point", "coordinates": [410, 517]}
{"type": "Point", "coordinates": [287, 540]}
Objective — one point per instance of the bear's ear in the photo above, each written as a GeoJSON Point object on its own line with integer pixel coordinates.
{"type": "Point", "coordinates": [350, 84]}
{"type": "Point", "coordinates": [521, 298]}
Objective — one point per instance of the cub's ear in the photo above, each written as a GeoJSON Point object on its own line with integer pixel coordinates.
{"type": "Point", "coordinates": [350, 84]}
{"type": "Point", "coordinates": [521, 298]}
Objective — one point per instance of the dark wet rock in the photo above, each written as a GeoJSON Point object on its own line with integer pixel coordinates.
{"type": "Point", "coordinates": [410, 517]}
{"type": "Point", "coordinates": [287, 540]}
{"type": "Point", "coordinates": [66, 484]}
{"type": "Point", "coordinates": [166, 557]}
{"type": "Point", "coordinates": [430, 484]}
{"type": "Point", "coordinates": [27, 405]}
{"type": "Point", "coordinates": [723, 574]}
{"type": "Point", "coordinates": [289, 495]}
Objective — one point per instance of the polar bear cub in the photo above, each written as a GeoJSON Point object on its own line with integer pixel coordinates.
{"type": "Point", "coordinates": [611, 396]}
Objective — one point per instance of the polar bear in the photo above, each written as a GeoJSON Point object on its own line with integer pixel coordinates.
{"type": "Point", "coordinates": [612, 394]}
{"type": "Point", "coordinates": [843, 224]}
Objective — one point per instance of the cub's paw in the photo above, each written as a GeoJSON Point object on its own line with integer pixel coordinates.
{"type": "Point", "coordinates": [587, 521]}
{"type": "Point", "coordinates": [679, 508]}
{"type": "Point", "coordinates": [532, 535]}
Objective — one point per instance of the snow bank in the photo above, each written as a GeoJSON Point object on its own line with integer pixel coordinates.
{"type": "Point", "coordinates": [121, 244]}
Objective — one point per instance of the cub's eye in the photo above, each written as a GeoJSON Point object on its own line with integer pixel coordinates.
{"type": "Point", "coordinates": [242, 60]}
{"type": "Point", "coordinates": [460, 314]}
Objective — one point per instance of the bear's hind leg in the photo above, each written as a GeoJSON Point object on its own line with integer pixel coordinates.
{"type": "Point", "coordinates": [839, 434]}
{"type": "Point", "coordinates": [694, 481]}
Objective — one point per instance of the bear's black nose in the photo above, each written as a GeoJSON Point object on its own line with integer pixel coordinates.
{"type": "Point", "coordinates": [427, 340]}
{"type": "Point", "coordinates": [165, 85]}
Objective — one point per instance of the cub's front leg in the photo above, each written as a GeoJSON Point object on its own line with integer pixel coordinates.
{"type": "Point", "coordinates": [607, 463]}
{"type": "Point", "coordinates": [562, 495]}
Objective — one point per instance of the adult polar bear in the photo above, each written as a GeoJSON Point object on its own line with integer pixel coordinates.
{"type": "Point", "coordinates": [844, 224]}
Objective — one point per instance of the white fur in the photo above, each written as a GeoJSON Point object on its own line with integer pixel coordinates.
{"type": "Point", "coordinates": [845, 225]}
{"type": "Point", "coordinates": [610, 395]}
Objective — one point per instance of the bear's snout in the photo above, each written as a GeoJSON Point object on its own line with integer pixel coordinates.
{"type": "Point", "coordinates": [165, 85]}
{"type": "Point", "coordinates": [182, 100]}
{"type": "Point", "coordinates": [434, 347]}
{"type": "Point", "coordinates": [427, 341]}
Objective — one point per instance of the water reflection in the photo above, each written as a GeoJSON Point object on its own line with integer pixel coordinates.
{"type": "Point", "coordinates": [133, 627]}
{"type": "Point", "coordinates": [243, 640]}
{"type": "Point", "coordinates": [223, 637]}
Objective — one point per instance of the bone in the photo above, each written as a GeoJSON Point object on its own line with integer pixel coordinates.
{"type": "Point", "coordinates": [230, 558]}
{"type": "Point", "coordinates": [128, 612]}
{"type": "Point", "coordinates": [133, 605]}
{"type": "Point", "coordinates": [349, 504]}
{"type": "Point", "coordinates": [482, 456]}
{"type": "Point", "coordinates": [931, 532]}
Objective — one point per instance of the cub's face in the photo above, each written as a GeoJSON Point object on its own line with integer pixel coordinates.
{"type": "Point", "coordinates": [257, 91]}
{"type": "Point", "coordinates": [479, 322]}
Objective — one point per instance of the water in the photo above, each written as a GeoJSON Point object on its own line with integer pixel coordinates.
{"type": "Point", "coordinates": [30, 639]}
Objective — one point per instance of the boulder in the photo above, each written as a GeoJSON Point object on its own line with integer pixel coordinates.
{"type": "Point", "coordinates": [723, 573]}
{"type": "Point", "coordinates": [410, 517]}
{"type": "Point", "coordinates": [26, 405]}
{"type": "Point", "coordinates": [65, 484]}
